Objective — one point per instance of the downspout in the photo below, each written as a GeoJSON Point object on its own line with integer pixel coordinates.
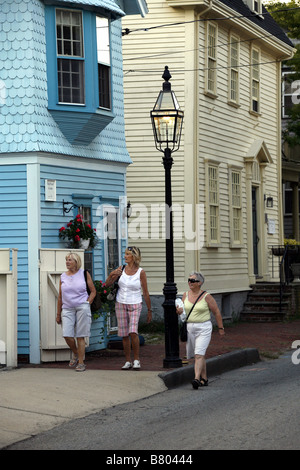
{"type": "Point", "coordinates": [279, 163]}
{"type": "Point", "coordinates": [207, 9]}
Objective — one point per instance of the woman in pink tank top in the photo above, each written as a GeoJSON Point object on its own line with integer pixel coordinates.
{"type": "Point", "coordinates": [74, 308]}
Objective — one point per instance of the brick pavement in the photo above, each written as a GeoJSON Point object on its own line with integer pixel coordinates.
{"type": "Point", "coordinates": [270, 339]}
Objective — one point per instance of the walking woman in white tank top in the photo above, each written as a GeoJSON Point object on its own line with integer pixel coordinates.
{"type": "Point", "coordinates": [132, 283]}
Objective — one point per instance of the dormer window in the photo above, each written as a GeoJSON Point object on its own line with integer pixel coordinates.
{"type": "Point", "coordinates": [255, 6]}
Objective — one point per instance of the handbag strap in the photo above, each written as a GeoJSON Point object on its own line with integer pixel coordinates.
{"type": "Point", "coordinates": [195, 304]}
{"type": "Point", "coordinates": [123, 267]}
{"type": "Point", "coordinates": [85, 277]}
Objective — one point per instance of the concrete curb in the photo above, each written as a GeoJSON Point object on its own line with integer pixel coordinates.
{"type": "Point", "coordinates": [215, 366]}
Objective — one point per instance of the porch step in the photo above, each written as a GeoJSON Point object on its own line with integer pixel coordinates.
{"type": "Point", "coordinates": [263, 303]}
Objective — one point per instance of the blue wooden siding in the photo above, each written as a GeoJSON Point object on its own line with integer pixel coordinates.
{"type": "Point", "coordinates": [13, 234]}
{"type": "Point", "coordinates": [102, 187]}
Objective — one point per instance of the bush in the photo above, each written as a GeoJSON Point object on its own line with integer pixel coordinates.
{"type": "Point", "coordinates": [152, 327]}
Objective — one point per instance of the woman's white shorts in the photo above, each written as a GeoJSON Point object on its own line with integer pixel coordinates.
{"type": "Point", "coordinates": [76, 321]}
{"type": "Point", "coordinates": [199, 336]}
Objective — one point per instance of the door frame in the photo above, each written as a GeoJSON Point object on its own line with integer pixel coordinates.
{"type": "Point", "coordinates": [256, 161]}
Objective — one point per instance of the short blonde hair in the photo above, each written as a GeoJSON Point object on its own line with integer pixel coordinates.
{"type": "Point", "coordinates": [76, 258]}
{"type": "Point", "coordinates": [135, 253]}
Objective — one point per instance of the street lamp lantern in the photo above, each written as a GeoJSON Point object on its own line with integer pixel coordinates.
{"type": "Point", "coordinates": [167, 119]}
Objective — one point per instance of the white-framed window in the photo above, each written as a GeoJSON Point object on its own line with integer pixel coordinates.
{"type": "Point", "coordinates": [235, 195]}
{"type": "Point", "coordinates": [211, 58]}
{"type": "Point", "coordinates": [104, 66]}
{"type": "Point", "coordinates": [70, 56]}
{"type": "Point", "coordinates": [255, 80]}
{"type": "Point", "coordinates": [213, 204]}
{"type": "Point", "coordinates": [290, 92]}
{"type": "Point", "coordinates": [112, 249]}
{"type": "Point", "coordinates": [234, 60]}
{"type": "Point", "coordinates": [255, 6]}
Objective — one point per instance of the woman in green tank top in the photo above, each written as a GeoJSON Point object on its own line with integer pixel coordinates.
{"type": "Point", "coordinates": [199, 325]}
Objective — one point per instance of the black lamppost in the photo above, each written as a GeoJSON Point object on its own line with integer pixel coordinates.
{"type": "Point", "coordinates": [167, 119]}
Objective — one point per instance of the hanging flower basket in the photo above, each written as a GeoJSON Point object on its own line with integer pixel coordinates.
{"type": "Point", "coordinates": [278, 250]}
{"type": "Point", "coordinates": [84, 244]}
{"type": "Point", "coordinates": [78, 232]}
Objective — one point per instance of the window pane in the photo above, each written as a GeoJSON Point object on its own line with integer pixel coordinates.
{"type": "Point", "coordinates": [103, 55]}
{"type": "Point", "coordinates": [104, 86]}
{"type": "Point", "coordinates": [103, 46]}
{"type": "Point", "coordinates": [70, 81]}
{"type": "Point", "coordinates": [212, 32]}
{"type": "Point", "coordinates": [69, 33]}
{"type": "Point", "coordinates": [233, 85]}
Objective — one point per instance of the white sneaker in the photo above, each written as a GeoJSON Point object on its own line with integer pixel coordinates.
{"type": "Point", "coordinates": [127, 365]}
{"type": "Point", "coordinates": [136, 364]}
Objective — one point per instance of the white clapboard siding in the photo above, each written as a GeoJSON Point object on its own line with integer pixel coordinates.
{"type": "Point", "coordinates": [213, 130]}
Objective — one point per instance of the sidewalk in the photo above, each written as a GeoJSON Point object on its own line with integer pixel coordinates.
{"type": "Point", "coordinates": [34, 399]}
{"type": "Point", "coordinates": [270, 339]}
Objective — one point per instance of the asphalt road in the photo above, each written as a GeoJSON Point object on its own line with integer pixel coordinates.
{"type": "Point", "coordinates": [253, 408]}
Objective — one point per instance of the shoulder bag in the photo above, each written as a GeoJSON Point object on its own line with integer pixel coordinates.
{"type": "Point", "coordinates": [183, 328]}
{"type": "Point", "coordinates": [96, 304]}
{"type": "Point", "coordinates": [113, 293]}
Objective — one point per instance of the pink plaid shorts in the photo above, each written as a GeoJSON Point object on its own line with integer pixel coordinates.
{"type": "Point", "coordinates": [128, 316]}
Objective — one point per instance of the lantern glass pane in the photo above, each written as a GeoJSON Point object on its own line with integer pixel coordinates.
{"type": "Point", "coordinates": [164, 101]}
{"type": "Point", "coordinates": [164, 126]}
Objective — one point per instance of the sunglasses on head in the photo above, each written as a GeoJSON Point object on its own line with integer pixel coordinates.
{"type": "Point", "coordinates": [133, 249]}
{"type": "Point", "coordinates": [193, 280]}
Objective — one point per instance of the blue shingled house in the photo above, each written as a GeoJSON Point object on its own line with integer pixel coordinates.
{"type": "Point", "coordinates": [62, 140]}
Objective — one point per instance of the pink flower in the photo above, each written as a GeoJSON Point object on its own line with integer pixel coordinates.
{"type": "Point", "coordinates": [78, 230]}
{"type": "Point", "coordinates": [77, 238]}
{"type": "Point", "coordinates": [105, 291]}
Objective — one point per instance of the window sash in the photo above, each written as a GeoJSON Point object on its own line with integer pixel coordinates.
{"type": "Point", "coordinates": [69, 33]}
{"type": "Point", "coordinates": [70, 81]}
{"type": "Point", "coordinates": [211, 73]}
{"type": "Point", "coordinates": [236, 207]}
{"type": "Point", "coordinates": [213, 202]}
{"type": "Point", "coordinates": [103, 55]}
{"type": "Point", "coordinates": [234, 85]}
{"type": "Point", "coordinates": [255, 80]}
{"type": "Point", "coordinates": [234, 69]}
{"type": "Point", "coordinates": [70, 57]}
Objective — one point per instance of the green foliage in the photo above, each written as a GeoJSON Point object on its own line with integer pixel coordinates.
{"type": "Point", "coordinates": [292, 132]}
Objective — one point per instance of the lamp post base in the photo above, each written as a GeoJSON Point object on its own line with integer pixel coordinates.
{"type": "Point", "coordinates": [172, 359]}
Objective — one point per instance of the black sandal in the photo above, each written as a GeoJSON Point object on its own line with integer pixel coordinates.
{"type": "Point", "coordinates": [203, 382]}
{"type": "Point", "coordinates": [196, 384]}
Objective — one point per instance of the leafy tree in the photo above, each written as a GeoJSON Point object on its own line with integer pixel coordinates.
{"type": "Point", "coordinates": [287, 15]}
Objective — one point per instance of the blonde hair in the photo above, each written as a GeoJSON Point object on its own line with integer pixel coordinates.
{"type": "Point", "coordinates": [135, 253]}
{"type": "Point", "coordinates": [76, 258]}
